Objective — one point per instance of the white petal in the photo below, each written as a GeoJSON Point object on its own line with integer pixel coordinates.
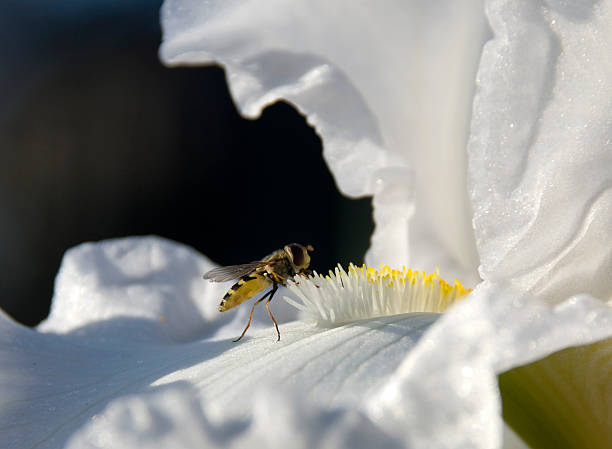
{"type": "Point", "coordinates": [541, 148]}
{"type": "Point", "coordinates": [149, 420]}
{"type": "Point", "coordinates": [140, 279]}
{"type": "Point", "coordinates": [336, 366]}
{"type": "Point", "coordinates": [444, 394]}
{"type": "Point", "coordinates": [105, 340]}
{"type": "Point", "coordinates": [51, 385]}
{"type": "Point", "coordinates": [172, 417]}
{"type": "Point", "coordinates": [446, 390]}
{"type": "Point", "coordinates": [388, 87]}
{"type": "Point", "coordinates": [148, 288]}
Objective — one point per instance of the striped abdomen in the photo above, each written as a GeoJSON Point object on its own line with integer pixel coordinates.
{"type": "Point", "coordinates": [247, 287]}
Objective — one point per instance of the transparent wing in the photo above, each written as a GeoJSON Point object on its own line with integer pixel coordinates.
{"type": "Point", "coordinates": [223, 274]}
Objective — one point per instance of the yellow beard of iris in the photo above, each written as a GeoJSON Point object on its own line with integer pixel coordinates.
{"type": "Point", "coordinates": [363, 292]}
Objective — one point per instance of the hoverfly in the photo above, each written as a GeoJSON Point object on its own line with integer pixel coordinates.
{"type": "Point", "coordinates": [272, 270]}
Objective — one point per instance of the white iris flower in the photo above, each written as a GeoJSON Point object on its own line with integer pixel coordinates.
{"type": "Point", "coordinates": [486, 143]}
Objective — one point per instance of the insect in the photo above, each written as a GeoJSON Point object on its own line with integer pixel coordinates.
{"type": "Point", "coordinates": [254, 277]}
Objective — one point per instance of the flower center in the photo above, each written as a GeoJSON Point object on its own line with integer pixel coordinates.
{"type": "Point", "coordinates": [364, 292]}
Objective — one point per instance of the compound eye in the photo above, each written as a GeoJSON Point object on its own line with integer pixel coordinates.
{"type": "Point", "coordinates": [296, 252]}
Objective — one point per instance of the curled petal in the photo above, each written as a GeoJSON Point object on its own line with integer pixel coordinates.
{"type": "Point", "coordinates": [540, 154]}
{"type": "Point", "coordinates": [145, 279]}
{"type": "Point", "coordinates": [388, 87]}
{"type": "Point", "coordinates": [446, 390]}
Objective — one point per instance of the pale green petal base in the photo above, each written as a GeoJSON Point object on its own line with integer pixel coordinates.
{"type": "Point", "coordinates": [564, 400]}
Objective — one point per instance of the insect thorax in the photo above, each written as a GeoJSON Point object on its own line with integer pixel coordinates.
{"type": "Point", "coordinates": [282, 267]}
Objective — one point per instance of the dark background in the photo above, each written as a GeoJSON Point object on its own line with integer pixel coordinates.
{"type": "Point", "coordinates": [99, 140]}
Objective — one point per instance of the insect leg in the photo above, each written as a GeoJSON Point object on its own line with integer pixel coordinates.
{"type": "Point", "coordinates": [269, 312]}
{"type": "Point", "coordinates": [251, 316]}
{"type": "Point", "coordinates": [278, 278]}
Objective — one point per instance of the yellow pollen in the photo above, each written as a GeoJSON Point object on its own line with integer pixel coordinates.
{"type": "Point", "coordinates": [363, 292]}
{"type": "Point", "coordinates": [387, 277]}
